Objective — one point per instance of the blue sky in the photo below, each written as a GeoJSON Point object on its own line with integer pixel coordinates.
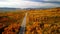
{"type": "Point", "coordinates": [29, 3]}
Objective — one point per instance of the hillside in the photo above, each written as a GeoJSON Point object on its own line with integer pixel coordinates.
{"type": "Point", "coordinates": [44, 21]}
{"type": "Point", "coordinates": [38, 21]}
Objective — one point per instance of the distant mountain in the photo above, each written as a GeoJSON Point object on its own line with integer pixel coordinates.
{"type": "Point", "coordinates": [43, 7]}
{"type": "Point", "coordinates": [6, 9]}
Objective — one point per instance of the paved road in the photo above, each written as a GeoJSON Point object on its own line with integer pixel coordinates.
{"type": "Point", "coordinates": [22, 29]}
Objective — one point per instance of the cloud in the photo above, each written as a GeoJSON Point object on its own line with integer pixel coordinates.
{"type": "Point", "coordinates": [26, 4]}
{"type": "Point", "coordinates": [21, 4]}
{"type": "Point", "coordinates": [44, 0]}
{"type": "Point", "coordinates": [52, 0]}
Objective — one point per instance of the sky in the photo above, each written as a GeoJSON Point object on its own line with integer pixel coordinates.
{"type": "Point", "coordinates": [29, 3]}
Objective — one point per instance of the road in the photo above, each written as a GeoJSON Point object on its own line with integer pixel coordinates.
{"type": "Point", "coordinates": [22, 29]}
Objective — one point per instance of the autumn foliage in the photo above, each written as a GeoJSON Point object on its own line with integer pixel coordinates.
{"type": "Point", "coordinates": [12, 29]}
{"type": "Point", "coordinates": [44, 21]}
